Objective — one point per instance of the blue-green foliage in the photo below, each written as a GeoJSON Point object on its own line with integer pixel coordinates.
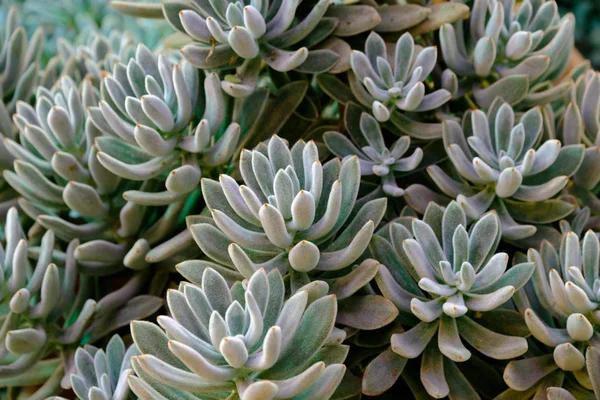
{"type": "Point", "coordinates": [299, 199]}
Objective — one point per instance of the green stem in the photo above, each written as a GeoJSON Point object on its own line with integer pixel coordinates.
{"type": "Point", "coordinates": [470, 102]}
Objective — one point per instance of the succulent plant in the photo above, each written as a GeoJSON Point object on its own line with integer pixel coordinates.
{"type": "Point", "coordinates": [146, 113]}
{"type": "Point", "coordinates": [509, 50]}
{"type": "Point", "coordinates": [66, 190]}
{"type": "Point", "coordinates": [19, 66]}
{"type": "Point", "coordinates": [91, 59]}
{"type": "Point", "coordinates": [289, 214]}
{"type": "Point", "coordinates": [45, 312]}
{"type": "Point", "coordinates": [447, 278]}
{"type": "Point", "coordinates": [245, 340]}
{"type": "Point", "coordinates": [573, 125]}
{"type": "Point", "coordinates": [506, 167]}
{"type": "Point", "coordinates": [74, 21]}
{"type": "Point", "coordinates": [374, 157]}
{"type": "Point", "coordinates": [54, 154]}
{"type": "Point", "coordinates": [64, 187]}
{"type": "Point", "coordinates": [563, 317]}
{"type": "Point", "coordinates": [587, 85]}
{"type": "Point", "coordinates": [49, 310]}
{"type": "Point", "coordinates": [55, 169]}
{"type": "Point", "coordinates": [384, 88]}
{"type": "Point", "coordinates": [331, 210]}
{"type": "Point", "coordinates": [224, 33]}
{"type": "Point", "coordinates": [102, 374]}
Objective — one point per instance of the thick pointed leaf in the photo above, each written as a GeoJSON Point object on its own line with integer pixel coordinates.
{"type": "Point", "coordinates": [382, 372]}
{"type": "Point", "coordinates": [492, 344]}
{"type": "Point", "coordinates": [511, 88]}
{"type": "Point", "coordinates": [366, 312]}
{"type": "Point", "coordinates": [400, 17]}
{"type": "Point", "coordinates": [354, 19]}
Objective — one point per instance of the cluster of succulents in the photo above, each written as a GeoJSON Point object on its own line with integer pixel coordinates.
{"type": "Point", "coordinates": [297, 200]}
{"type": "Point", "coordinates": [75, 22]}
{"type": "Point", "coordinates": [515, 53]}
{"type": "Point", "coordinates": [50, 308]}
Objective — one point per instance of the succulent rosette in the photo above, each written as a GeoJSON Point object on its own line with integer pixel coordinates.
{"type": "Point", "coordinates": [146, 113]}
{"type": "Point", "coordinates": [564, 317]}
{"type": "Point", "coordinates": [221, 342]}
{"type": "Point", "coordinates": [511, 50]}
{"type": "Point", "coordinates": [447, 278]}
{"type": "Point", "coordinates": [224, 33]}
{"type": "Point", "coordinates": [102, 373]}
{"type": "Point", "coordinates": [330, 207]}
{"type": "Point", "coordinates": [384, 88]}
{"type": "Point", "coordinates": [55, 156]}
{"type": "Point", "coordinates": [375, 157]}
{"type": "Point", "coordinates": [289, 213]}
{"type": "Point", "coordinates": [505, 164]}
